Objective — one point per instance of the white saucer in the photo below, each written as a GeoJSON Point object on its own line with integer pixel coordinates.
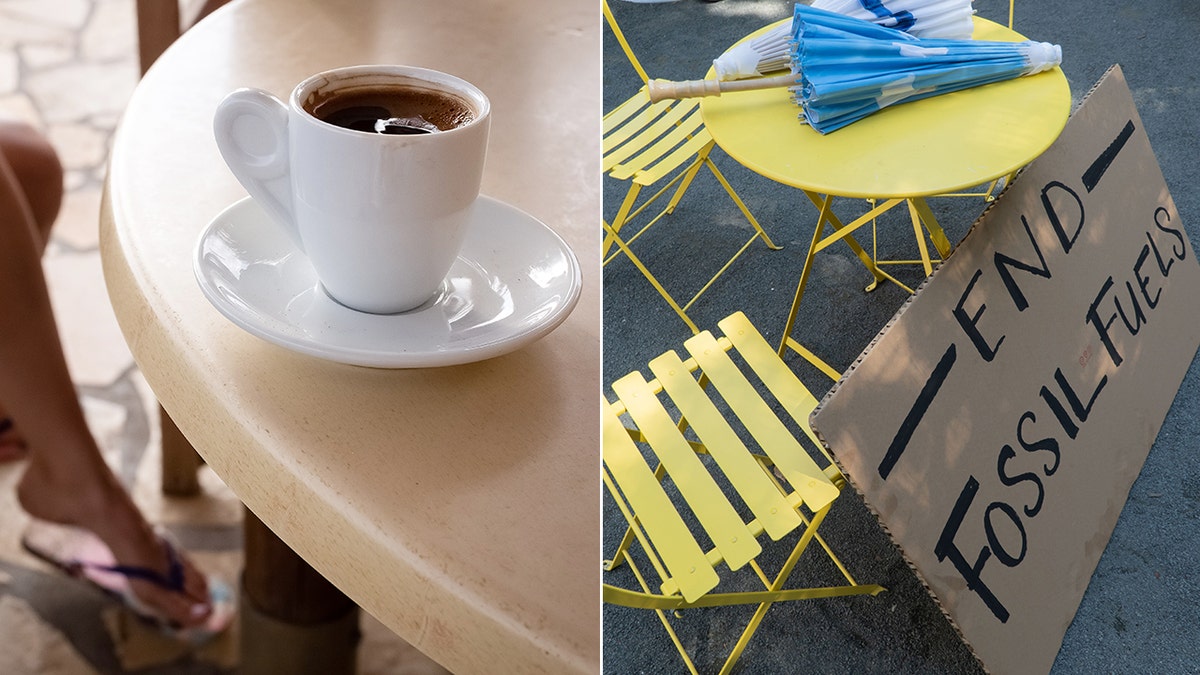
{"type": "Point", "coordinates": [514, 281]}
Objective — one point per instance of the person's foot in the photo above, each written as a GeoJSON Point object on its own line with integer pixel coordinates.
{"type": "Point", "coordinates": [12, 444]}
{"type": "Point", "coordinates": [101, 506]}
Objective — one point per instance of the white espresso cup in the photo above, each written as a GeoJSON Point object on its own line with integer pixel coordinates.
{"type": "Point", "coordinates": [380, 216]}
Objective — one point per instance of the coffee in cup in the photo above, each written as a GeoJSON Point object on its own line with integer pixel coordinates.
{"type": "Point", "coordinates": [373, 171]}
{"type": "Point", "coordinates": [391, 110]}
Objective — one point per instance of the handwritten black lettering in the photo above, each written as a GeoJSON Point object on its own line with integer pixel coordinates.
{"type": "Point", "coordinates": [1143, 282]}
{"type": "Point", "coordinates": [1067, 240]}
{"type": "Point", "coordinates": [1138, 315]}
{"type": "Point", "coordinates": [1006, 455]}
{"type": "Point", "coordinates": [1102, 325]}
{"type": "Point", "coordinates": [917, 412]}
{"type": "Point", "coordinates": [1004, 265]}
{"type": "Point", "coordinates": [1060, 412]}
{"type": "Point", "coordinates": [946, 548]}
{"type": "Point", "coordinates": [1081, 411]}
{"type": "Point", "coordinates": [989, 528]}
{"type": "Point", "coordinates": [1096, 171]}
{"type": "Point", "coordinates": [970, 323]}
{"type": "Point", "coordinates": [1048, 444]}
{"type": "Point", "coordinates": [1164, 266]}
{"type": "Point", "coordinates": [1180, 251]}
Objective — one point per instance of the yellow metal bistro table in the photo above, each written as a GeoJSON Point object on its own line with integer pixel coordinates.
{"type": "Point", "coordinates": [458, 505]}
{"type": "Point", "coordinates": [898, 156]}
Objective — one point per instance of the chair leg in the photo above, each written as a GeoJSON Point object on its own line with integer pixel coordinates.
{"type": "Point", "coordinates": [775, 586]}
{"type": "Point", "coordinates": [652, 279]}
{"type": "Point", "coordinates": [688, 176]}
{"type": "Point", "coordinates": [622, 553]}
{"type": "Point", "coordinates": [620, 218]}
{"type": "Point", "coordinates": [666, 623]}
{"type": "Point", "coordinates": [180, 461]}
{"type": "Point", "coordinates": [741, 205]}
{"type": "Point", "coordinates": [680, 183]}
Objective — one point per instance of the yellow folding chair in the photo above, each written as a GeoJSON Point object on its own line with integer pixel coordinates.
{"type": "Point", "coordinates": [777, 488]}
{"type": "Point", "coordinates": [647, 144]}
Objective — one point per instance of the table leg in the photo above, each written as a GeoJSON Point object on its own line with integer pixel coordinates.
{"type": "Point", "coordinates": [924, 221]}
{"type": "Point", "coordinates": [827, 215]}
{"type": "Point", "coordinates": [823, 204]}
{"type": "Point", "coordinates": [840, 232]}
{"type": "Point", "coordinates": [180, 461]}
{"type": "Point", "coordinates": [292, 619]}
{"type": "Point", "coordinates": [920, 237]}
{"type": "Point", "coordinates": [936, 234]}
{"type": "Point", "coordinates": [159, 24]}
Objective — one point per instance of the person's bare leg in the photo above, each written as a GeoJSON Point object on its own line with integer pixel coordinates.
{"type": "Point", "coordinates": [39, 174]}
{"type": "Point", "coordinates": [37, 170]}
{"type": "Point", "coordinates": [12, 443]}
{"type": "Point", "coordinates": [66, 480]}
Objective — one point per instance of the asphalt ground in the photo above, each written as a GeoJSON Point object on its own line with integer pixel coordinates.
{"type": "Point", "coordinates": [1140, 613]}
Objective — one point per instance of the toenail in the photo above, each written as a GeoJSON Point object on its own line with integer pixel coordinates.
{"type": "Point", "coordinates": [199, 609]}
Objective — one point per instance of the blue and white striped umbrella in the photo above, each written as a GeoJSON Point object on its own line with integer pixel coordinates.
{"type": "Point", "coordinates": [922, 18]}
{"type": "Point", "coordinates": [848, 68]}
{"type": "Point", "coordinates": [949, 19]}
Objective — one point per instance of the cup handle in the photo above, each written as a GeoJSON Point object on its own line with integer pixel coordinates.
{"type": "Point", "coordinates": [250, 126]}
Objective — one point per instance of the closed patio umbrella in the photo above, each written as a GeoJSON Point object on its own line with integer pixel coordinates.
{"type": "Point", "coordinates": [844, 69]}
{"type": "Point", "coordinates": [770, 51]}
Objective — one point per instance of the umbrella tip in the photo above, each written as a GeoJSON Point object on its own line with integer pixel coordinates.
{"type": "Point", "coordinates": [1042, 56]}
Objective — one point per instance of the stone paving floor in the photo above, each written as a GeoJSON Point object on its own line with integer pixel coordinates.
{"type": "Point", "coordinates": [67, 67]}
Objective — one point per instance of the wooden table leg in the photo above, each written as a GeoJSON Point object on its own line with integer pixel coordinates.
{"type": "Point", "coordinates": [180, 462]}
{"type": "Point", "coordinates": [158, 23]}
{"type": "Point", "coordinates": [292, 619]}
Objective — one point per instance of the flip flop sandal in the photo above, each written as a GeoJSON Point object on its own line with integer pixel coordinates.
{"type": "Point", "coordinates": [81, 555]}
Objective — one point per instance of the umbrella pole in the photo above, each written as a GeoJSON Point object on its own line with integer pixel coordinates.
{"type": "Point", "coordinates": [661, 90]}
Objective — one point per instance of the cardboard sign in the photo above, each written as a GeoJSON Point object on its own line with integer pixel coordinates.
{"type": "Point", "coordinates": [997, 424]}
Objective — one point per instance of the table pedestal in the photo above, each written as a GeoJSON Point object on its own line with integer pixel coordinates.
{"type": "Point", "coordinates": [292, 619]}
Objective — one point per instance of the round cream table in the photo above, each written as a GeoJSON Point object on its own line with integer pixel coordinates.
{"type": "Point", "coordinates": [458, 504]}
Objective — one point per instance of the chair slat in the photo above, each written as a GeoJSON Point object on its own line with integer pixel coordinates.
{"type": "Point", "coordinates": [698, 144]}
{"type": "Point", "coordinates": [682, 556]}
{"type": "Point", "coordinates": [716, 515]}
{"type": "Point", "coordinates": [664, 148]}
{"type": "Point", "coordinates": [780, 380]}
{"type": "Point", "coordinates": [745, 474]}
{"type": "Point", "coordinates": [636, 124]}
{"type": "Point", "coordinates": [617, 116]}
{"type": "Point", "coordinates": [649, 137]}
{"type": "Point", "coordinates": [785, 451]}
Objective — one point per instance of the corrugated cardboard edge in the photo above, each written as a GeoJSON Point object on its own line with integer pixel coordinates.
{"type": "Point", "coordinates": [871, 345]}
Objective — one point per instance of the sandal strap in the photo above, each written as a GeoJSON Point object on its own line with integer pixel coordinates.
{"type": "Point", "coordinates": [171, 581]}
